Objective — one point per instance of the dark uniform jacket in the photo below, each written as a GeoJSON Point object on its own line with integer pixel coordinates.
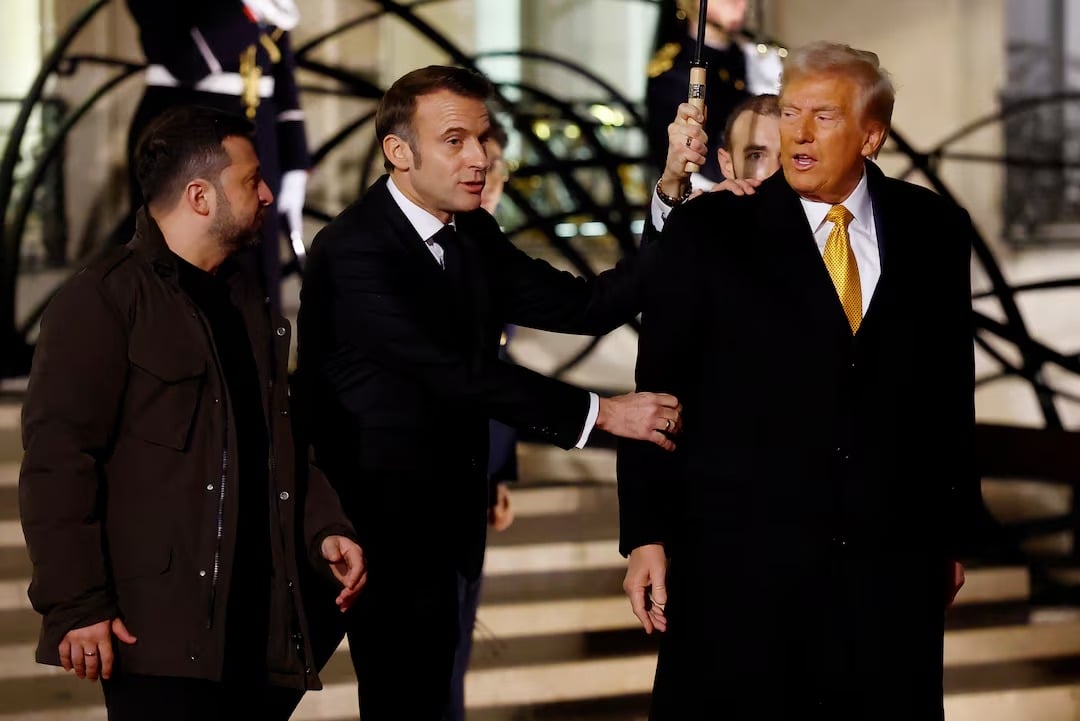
{"type": "Point", "coordinates": [734, 73]}
{"type": "Point", "coordinates": [811, 509]}
{"type": "Point", "coordinates": [127, 489]}
{"type": "Point", "coordinates": [194, 39]}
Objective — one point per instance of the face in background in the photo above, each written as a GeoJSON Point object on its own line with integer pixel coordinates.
{"type": "Point", "coordinates": [242, 197]}
{"type": "Point", "coordinates": [824, 137]}
{"type": "Point", "coordinates": [445, 172]}
{"type": "Point", "coordinates": [497, 175]}
{"type": "Point", "coordinates": [728, 14]}
{"type": "Point", "coordinates": [753, 151]}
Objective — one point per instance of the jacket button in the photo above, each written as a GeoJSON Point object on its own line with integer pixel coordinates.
{"type": "Point", "coordinates": [202, 574]}
{"type": "Point", "coordinates": [194, 657]}
{"type": "Point", "coordinates": [284, 495]}
{"type": "Point", "coordinates": [290, 585]}
{"type": "Point", "coordinates": [284, 411]}
{"type": "Point", "coordinates": [209, 486]}
{"type": "Point", "coordinates": [280, 332]}
{"type": "Point", "coordinates": [217, 401]}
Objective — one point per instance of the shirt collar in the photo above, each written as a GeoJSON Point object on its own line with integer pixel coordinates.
{"type": "Point", "coordinates": [424, 223]}
{"type": "Point", "coordinates": [858, 204]}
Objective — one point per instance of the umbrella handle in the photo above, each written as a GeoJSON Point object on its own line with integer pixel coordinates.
{"type": "Point", "coordinates": [696, 97]}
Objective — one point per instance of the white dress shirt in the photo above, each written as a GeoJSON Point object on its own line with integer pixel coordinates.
{"type": "Point", "coordinates": [862, 232]}
{"type": "Point", "coordinates": [426, 226]}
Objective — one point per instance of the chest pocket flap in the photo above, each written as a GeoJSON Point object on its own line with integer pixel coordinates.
{"type": "Point", "coordinates": [163, 394]}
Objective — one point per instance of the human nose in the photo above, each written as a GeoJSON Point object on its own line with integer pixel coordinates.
{"type": "Point", "coordinates": [477, 156]}
{"type": "Point", "coordinates": [265, 196]}
{"type": "Point", "coordinates": [803, 132]}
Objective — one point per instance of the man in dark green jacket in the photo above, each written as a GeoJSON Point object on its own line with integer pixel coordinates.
{"type": "Point", "coordinates": [162, 498]}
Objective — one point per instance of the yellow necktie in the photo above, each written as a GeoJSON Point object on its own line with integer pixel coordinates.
{"type": "Point", "coordinates": [840, 261]}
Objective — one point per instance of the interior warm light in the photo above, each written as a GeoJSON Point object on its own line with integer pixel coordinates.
{"type": "Point", "coordinates": [593, 229]}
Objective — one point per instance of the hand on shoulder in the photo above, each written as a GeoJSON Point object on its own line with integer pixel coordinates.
{"type": "Point", "coordinates": [737, 186]}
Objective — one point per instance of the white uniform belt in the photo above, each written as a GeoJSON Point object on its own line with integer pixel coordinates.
{"type": "Point", "coordinates": [221, 83]}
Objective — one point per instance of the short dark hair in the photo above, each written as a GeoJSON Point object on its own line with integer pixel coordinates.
{"type": "Point", "coordinates": [398, 104]}
{"type": "Point", "coordinates": [183, 143]}
{"type": "Point", "coordinates": [765, 105]}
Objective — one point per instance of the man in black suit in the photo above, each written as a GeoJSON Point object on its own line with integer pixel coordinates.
{"type": "Point", "coordinates": [823, 351]}
{"type": "Point", "coordinates": [405, 296]}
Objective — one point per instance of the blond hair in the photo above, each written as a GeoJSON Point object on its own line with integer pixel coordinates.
{"type": "Point", "coordinates": [877, 94]}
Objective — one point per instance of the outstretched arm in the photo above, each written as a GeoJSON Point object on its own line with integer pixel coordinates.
{"type": "Point", "coordinates": [382, 322]}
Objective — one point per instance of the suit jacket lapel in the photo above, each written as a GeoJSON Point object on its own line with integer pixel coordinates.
{"type": "Point", "coordinates": [406, 234]}
{"type": "Point", "coordinates": [442, 299]}
{"type": "Point", "coordinates": [477, 296]}
{"type": "Point", "coordinates": [887, 221]}
{"type": "Point", "coordinates": [792, 256]}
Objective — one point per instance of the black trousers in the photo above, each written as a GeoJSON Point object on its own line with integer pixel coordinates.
{"type": "Point", "coordinates": [468, 603]}
{"type": "Point", "coordinates": [131, 697]}
{"type": "Point", "coordinates": [401, 643]}
{"type": "Point", "coordinates": [403, 634]}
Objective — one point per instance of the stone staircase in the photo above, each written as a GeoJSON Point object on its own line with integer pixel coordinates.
{"type": "Point", "coordinates": [555, 636]}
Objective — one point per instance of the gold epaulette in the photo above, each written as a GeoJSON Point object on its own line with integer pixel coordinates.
{"type": "Point", "coordinates": [663, 60]}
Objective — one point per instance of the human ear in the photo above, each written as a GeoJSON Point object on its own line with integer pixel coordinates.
{"type": "Point", "coordinates": [397, 151]}
{"type": "Point", "coordinates": [200, 196]}
{"type": "Point", "coordinates": [727, 163]}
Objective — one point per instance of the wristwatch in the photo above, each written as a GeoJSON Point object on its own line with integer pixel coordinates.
{"type": "Point", "coordinates": [670, 201]}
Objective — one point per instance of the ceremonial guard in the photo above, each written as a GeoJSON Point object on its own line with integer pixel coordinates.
{"type": "Point", "coordinates": [739, 64]}
{"type": "Point", "coordinates": [233, 55]}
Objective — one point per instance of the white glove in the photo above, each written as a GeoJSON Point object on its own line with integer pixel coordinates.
{"type": "Point", "coordinates": [763, 69]}
{"type": "Point", "coordinates": [290, 199]}
{"type": "Point", "coordinates": [279, 13]}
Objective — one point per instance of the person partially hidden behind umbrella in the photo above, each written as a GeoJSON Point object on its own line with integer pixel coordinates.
{"type": "Point", "coordinates": [748, 153]}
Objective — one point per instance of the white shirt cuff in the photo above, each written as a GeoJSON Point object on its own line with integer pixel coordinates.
{"type": "Point", "coordinates": [659, 212]}
{"type": "Point", "coordinates": [590, 420]}
{"type": "Point", "coordinates": [700, 182]}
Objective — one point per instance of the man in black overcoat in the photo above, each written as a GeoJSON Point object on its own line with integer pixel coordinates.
{"type": "Point", "coordinates": [799, 548]}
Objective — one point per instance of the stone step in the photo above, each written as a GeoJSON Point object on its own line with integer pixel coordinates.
{"type": "Point", "coordinates": [1015, 500]}
{"type": "Point", "coordinates": [10, 432]}
{"type": "Point", "coordinates": [556, 638]}
{"type": "Point", "coordinates": [545, 630]}
{"type": "Point", "coordinates": [9, 474]}
{"type": "Point", "coordinates": [596, 691]}
{"type": "Point", "coordinates": [541, 462]}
